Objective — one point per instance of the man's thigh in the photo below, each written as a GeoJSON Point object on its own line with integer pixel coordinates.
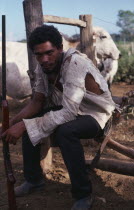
{"type": "Point", "coordinates": [82, 127]}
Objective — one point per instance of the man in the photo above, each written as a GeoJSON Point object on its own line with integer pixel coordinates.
{"type": "Point", "coordinates": [78, 106]}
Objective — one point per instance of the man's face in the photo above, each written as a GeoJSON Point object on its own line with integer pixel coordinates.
{"type": "Point", "coordinates": [48, 56]}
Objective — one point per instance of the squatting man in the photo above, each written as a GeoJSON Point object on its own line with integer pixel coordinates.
{"type": "Point", "coordinates": [71, 101]}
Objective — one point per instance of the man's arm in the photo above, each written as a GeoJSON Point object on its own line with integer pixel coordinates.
{"type": "Point", "coordinates": [32, 108]}
{"type": "Point", "coordinates": [17, 126]}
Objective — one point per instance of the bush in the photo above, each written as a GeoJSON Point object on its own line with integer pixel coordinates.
{"type": "Point", "coordinates": [125, 71]}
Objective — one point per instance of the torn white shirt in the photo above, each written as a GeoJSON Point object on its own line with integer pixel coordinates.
{"type": "Point", "coordinates": [75, 99]}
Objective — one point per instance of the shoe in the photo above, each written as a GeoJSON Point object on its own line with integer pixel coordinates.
{"type": "Point", "coordinates": [83, 204]}
{"type": "Point", "coordinates": [27, 188]}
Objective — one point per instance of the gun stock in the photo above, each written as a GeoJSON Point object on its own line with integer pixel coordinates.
{"type": "Point", "coordinates": [5, 126]}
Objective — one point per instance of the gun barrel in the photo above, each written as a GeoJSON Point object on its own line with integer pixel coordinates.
{"type": "Point", "coordinates": [5, 125]}
{"type": "Point", "coordinates": [3, 57]}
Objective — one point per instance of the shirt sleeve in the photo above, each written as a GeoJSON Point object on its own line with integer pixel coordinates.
{"type": "Point", "coordinates": [73, 93]}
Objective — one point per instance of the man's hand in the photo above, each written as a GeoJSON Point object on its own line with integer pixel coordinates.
{"type": "Point", "coordinates": [12, 134]}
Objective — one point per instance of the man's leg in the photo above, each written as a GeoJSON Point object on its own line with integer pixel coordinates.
{"type": "Point", "coordinates": [31, 160]}
{"type": "Point", "coordinates": [68, 138]}
{"type": "Point", "coordinates": [32, 170]}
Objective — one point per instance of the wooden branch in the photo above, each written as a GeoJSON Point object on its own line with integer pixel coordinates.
{"type": "Point", "coordinates": [63, 20]}
{"type": "Point", "coordinates": [115, 166]}
{"type": "Point", "coordinates": [121, 148]}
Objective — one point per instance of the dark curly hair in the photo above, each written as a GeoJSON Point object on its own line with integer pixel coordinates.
{"type": "Point", "coordinates": [43, 34]}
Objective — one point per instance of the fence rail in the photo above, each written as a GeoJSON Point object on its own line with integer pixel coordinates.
{"type": "Point", "coordinates": [63, 20]}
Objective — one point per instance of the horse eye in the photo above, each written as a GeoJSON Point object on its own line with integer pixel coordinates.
{"type": "Point", "coordinates": [103, 37]}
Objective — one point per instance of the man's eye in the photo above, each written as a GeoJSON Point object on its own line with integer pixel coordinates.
{"type": "Point", "coordinates": [39, 56]}
{"type": "Point", "coordinates": [50, 53]}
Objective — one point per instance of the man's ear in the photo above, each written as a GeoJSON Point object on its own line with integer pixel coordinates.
{"type": "Point", "coordinates": [61, 47]}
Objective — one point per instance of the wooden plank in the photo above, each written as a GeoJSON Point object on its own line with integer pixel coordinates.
{"type": "Point", "coordinates": [63, 20]}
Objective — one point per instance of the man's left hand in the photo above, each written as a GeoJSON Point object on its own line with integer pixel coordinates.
{"type": "Point", "coordinates": [12, 134]}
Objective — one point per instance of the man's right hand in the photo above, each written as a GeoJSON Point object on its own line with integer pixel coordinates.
{"type": "Point", "coordinates": [32, 108]}
{"type": "Point", "coordinates": [11, 123]}
{"type": "Point", "coordinates": [12, 134]}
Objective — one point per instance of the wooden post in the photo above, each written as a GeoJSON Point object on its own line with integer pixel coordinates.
{"type": "Point", "coordinates": [46, 156]}
{"type": "Point", "coordinates": [33, 18]}
{"type": "Point", "coordinates": [33, 15]}
{"type": "Point", "coordinates": [86, 37]}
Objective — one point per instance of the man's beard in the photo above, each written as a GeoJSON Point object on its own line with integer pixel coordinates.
{"type": "Point", "coordinates": [50, 71]}
{"type": "Point", "coordinates": [47, 71]}
{"type": "Point", "coordinates": [56, 69]}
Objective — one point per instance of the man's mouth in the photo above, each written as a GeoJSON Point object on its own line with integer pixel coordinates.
{"type": "Point", "coordinates": [50, 66]}
{"type": "Point", "coordinates": [46, 67]}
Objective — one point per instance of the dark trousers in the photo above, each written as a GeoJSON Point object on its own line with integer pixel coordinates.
{"type": "Point", "coordinates": [31, 160]}
{"type": "Point", "coordinates": [67, 137]}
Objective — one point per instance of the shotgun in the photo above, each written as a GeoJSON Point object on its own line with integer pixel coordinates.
{"type": "Point", "coordinates": [5, 126]}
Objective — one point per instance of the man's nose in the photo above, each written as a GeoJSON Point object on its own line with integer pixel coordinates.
{"type": "Point", "coordinates": [44, 58]}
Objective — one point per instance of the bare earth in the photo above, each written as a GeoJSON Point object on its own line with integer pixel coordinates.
{"type": "Point", "coordinates": [112, 191]}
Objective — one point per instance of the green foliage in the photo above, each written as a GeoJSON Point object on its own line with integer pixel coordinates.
{"type": "Point", "coordinates": [126, 23]}
{"type": "Point", "coordinates": [126, 67]}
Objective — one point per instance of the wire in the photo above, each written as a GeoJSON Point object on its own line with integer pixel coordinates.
{"type": "Point", "coordinates": [105, 21]}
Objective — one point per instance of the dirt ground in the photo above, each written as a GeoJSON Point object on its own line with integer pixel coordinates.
{"type": "Point", "coordinates": [112, 191]}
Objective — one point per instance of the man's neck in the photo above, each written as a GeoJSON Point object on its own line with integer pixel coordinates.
{"type": "Point", "coordinates": [56, 72]}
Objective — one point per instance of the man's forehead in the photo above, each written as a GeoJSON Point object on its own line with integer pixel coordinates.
{"type": "Point", "coordinates": [41, 52]}
{"type": "Point", "coordinates": [44, 46]}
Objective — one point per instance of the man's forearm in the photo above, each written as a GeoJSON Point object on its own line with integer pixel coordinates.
{"type": "Point", "coordinates": [27, 112]}
{"type": "Point", "coordinates": [32, 108]}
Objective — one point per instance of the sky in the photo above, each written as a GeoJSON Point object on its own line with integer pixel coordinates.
{"type": "Point", "coordinates": [104, 12]}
